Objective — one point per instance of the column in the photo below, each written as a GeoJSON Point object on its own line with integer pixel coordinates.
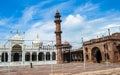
{"type": "Point", "coordinates": [30, 56]}
{"type": "Point", "coordinates": [90, 54]}
{"type": "Point", "coordinates": [37, 56]}
{"type": "Point", "coordinates": [23, 57]}
{"type": "Point", "coordinates": [9, 57]}
{"type": "Point", "coordinates": [50, 56]}
{"type": "Point", "coordinates": [44, 56]}
{"type": "Point", "coordinates": [0, 56]}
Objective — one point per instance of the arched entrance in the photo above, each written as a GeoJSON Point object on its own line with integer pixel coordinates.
{"type": "Point", "coordinates": [53, 56]}
{"type": "Point", "coordinates": [27, 56]}
{"type": "Point", "coordinates": [117, 53]}
{"type": "Point", "coordinates": [34, 56]}
{"type": "Point", "coordinates": [4, 57]}
{"type": "Point", "coordinates": [48, 56]}
{"type": "Point", "coordinates": [96, 55]}
{"type": "Point", "coordinates": [16, 57]}
{"type": "Point", "coordinates": [16, 53]}
{"type": "Point", "coordinates": [41, 56]}
{"type": "Point", "coordinates": [118, 48]}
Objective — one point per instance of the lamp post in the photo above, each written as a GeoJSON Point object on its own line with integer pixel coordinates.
{"type": "Point", "coordinates": [109, 31]}
{"type": "Point", "coordinates": [83, 53]}
{"type": "Point", "coordinates": [52, 56]}
{"type": "Point", "coordinates": [70, 52]}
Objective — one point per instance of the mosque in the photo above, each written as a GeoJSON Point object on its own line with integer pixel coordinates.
{"type": "Point", "coordinates": [15, 52]}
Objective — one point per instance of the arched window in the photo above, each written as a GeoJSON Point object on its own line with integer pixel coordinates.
{"type": "Point", "coordinates": [34, 56]}
{"type": "Point", "coordinates": [118, 48]}
{"type": "Point", "coordinates": [41, 56]}
{"type": "Point", "coordinates": [16, 48]}
{"type": "Point", "coordinates": [48, 56]}
{"type": "Point", "coordinates": [4, 57]}
{"type": "Point", "coordinates": [53, 56]}
{"type": "Point", "coordinates": [86, 49]}
{"type": "Point", "coordinates": [27, 56]}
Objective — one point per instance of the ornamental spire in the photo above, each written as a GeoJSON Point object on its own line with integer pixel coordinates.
{"type": "Point", "coordinates": [37, 36]}
{"type": "Point", "coordinates": [57, 11]}
{"type": "Point", "coordinates": [16, 31]}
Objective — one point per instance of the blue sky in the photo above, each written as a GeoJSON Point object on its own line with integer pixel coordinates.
{"type": "Point", "coordinates": [80, 18]}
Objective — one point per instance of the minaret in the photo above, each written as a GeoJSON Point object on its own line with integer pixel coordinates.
{"type": "Point", "coordinates": [58, 37]}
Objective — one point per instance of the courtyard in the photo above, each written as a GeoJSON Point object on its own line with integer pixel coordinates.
{"type": "Point", "coordinates": [64, 69]}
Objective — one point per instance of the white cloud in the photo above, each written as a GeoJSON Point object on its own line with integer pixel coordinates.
{"type": "Point", "coordinates": [73, 20]}
{"type": "Point", "coordinates": [45, 31]}
{"type": "Point", "coordinates": [27, 15]}
{"type": "Point", "coordinates": [111, 26]}
{"type": "Point", "coordinates": [87, 7]}
{"type": "Point", "coordinates": [5, 21]}
{"type": "Point", "coordinates": [2, 22]}
{"type": "Point", "coordinates": [74, 26]}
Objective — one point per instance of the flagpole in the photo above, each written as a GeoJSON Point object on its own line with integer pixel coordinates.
{"type": "Point", "coordinates": [83, 54]}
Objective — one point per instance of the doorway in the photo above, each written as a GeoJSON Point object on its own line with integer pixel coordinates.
{"type": "Point", "coordinates": [16, 54]}
{"type": "Point", "coordinates": [16, 57]}
{"type": "Point", "coordinates": [96, 55]}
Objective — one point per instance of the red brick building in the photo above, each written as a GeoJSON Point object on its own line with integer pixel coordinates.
{"type": "Point", "coordinates": [103, 49]}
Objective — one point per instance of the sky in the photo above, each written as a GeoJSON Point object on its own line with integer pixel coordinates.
{"type": "Point", "coordinates": [80, 18]}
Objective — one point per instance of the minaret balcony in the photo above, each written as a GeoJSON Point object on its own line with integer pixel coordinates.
{"type": "Point", "coordinates": [57, 20]}
{"type": "Point", "coordinates": [58, 32]}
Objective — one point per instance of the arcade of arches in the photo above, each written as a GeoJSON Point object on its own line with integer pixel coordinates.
{"type": "Point", "coordinates": [17, 54]}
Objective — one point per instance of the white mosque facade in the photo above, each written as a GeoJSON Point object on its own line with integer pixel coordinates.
{"type": "Point", "coordinates": [15, 52]}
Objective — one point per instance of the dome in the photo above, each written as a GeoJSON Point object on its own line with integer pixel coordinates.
{"type": "Point", "coordinates": [66, 43]}
{"type": "Point", "coordinates": [37, 42]}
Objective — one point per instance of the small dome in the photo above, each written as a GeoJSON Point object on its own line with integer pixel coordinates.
{"type": "Point", "coordinates": [66, 43]}
{"type": "Point", "coordinates": [37, 42]}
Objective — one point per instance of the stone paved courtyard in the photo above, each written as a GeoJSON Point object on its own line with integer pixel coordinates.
{"type": "Point", "coordinates": [63, 69]}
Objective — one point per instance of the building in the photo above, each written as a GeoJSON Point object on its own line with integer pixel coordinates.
{"type": "Point", "coordinates": [71, 55]}
{"type": "Point", "coordinates": [104, 49]}
{"type": "Point", "coordinates": [16, 52]}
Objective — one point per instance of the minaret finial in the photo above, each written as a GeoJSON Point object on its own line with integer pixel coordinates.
{"type": "Point", "coordinates": [57, 11]}
{"type": "Point", "coordinates": [37, 36]}
{"type": "Point", "coordinates": [17, 31]}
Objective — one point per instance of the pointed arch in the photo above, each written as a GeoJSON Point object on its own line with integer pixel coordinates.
{"type": "Point", "coordinates": [118, 48]}
{"type": "Point", "coordinates": [41, 56]}
{"type": "Point", "coordinates": [53, 56]}
{"type": "Point", "coordinates": [47, 55]}
{"type": "Point", "coordinates": [4, 57]}
{"type": "Point", "coordinates": [27, 56]}
{"type": "Point", "coordinates": [96, 55]}
{"type": "Point", "coordinates": [16, 53]}
{"type": "Point", "coordinates": [34, 56]}
{"type": "Point", "coordinates": [16, 48]}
